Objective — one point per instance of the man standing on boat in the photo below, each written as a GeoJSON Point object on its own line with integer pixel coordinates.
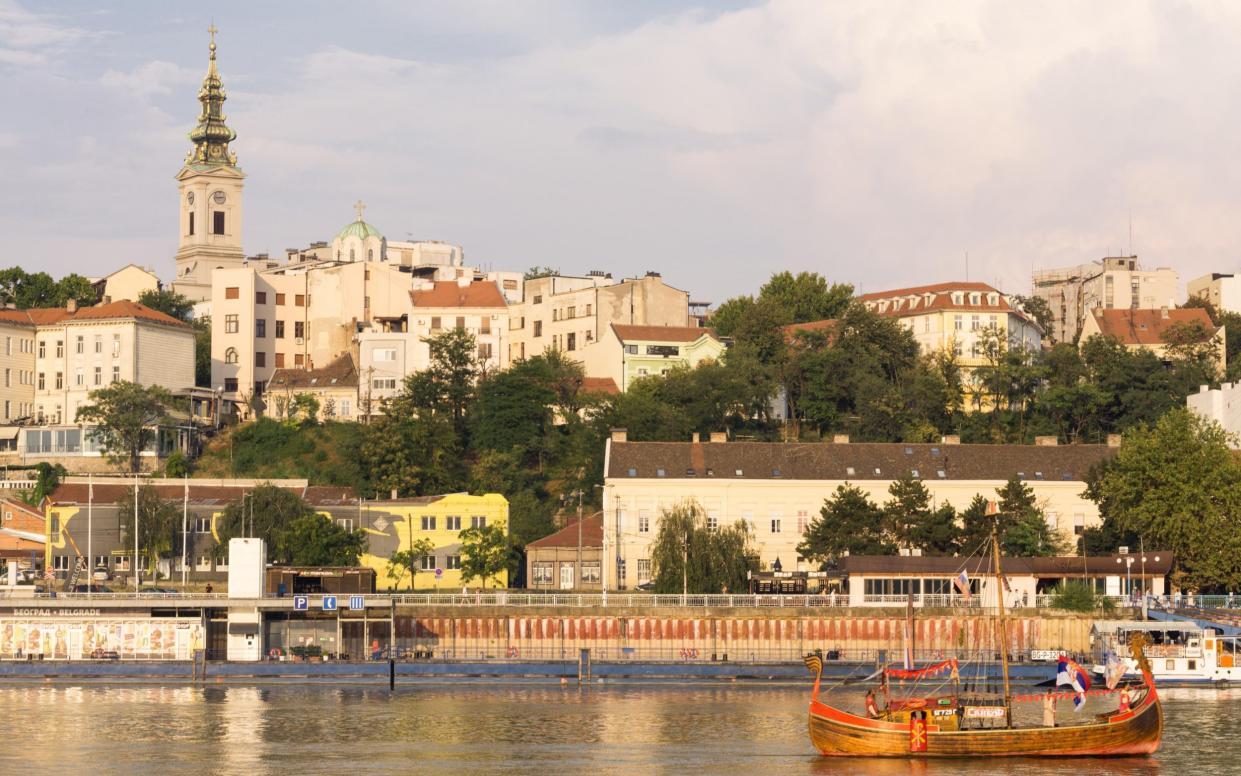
{"type": "Point", "coordinates": [1049, 709]}
{"type": "Point", "coordinates": [872, 710]}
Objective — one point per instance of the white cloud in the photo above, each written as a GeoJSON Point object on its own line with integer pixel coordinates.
{"type": "Point", "coordinates": [150, 78]}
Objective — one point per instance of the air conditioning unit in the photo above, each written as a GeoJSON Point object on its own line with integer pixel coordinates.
{"type": "Point", "coordinates": [299, 340]}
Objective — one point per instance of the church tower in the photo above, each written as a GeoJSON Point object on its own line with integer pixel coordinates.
{"type": "Point", "coordinates": [210, 194]}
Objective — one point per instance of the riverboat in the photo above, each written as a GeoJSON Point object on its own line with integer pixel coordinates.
{"type": "Point", "coordinates": [1178, 652]}
{"type": "Point", "coordinates": [958, 724]}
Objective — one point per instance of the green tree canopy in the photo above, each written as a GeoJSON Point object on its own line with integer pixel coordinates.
{"type": "Point", "coordinates": [688, 554]}
{"type": "Point", "coordinates": [158, 524]}
{"type": "Point", "coordinates": [168, 302]}
{"type": "Point", "coordinates": [25, 290]}
{"type": "Point", "coordinates": [124, 419]}
{"type": "Point", "coordinates": [485, 553]}
{"type": "Point", "coordinates": [848, 524]}
{"type": "Point", "coordinates": [294, 533]}
{"type": "Point", "coordinates": [313, 539]}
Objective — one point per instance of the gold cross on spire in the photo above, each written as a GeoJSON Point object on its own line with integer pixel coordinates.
{"type": "Point", "coordinates": [212, 30]}
{"type": "Point", "coordinates": [359, 206]}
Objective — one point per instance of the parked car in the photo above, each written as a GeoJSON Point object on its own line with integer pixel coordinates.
{"type": "Point", "coordinates": [100, 574]}
{"type": "Point", "coordinates": [646, 587]}
{"type": "Point", "coordinates": [94, 587]}
{"type": "Point", "coordinates": [162, 590]}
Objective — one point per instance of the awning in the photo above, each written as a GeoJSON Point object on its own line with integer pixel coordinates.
{"type": "Point", "coordinates": [9, 432]}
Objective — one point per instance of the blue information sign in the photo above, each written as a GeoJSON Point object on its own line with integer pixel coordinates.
{"type": "Point", "coordinates": [301, 603]}
{"type": "Point", "coordinates": [357, 602]}
{"type": "Point", "coordinates": [329, 603]}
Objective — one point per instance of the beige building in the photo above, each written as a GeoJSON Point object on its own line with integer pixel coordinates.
{"type": "Point", "coordinates": [570, 559]}
{"type": "Point", "coordinates": [17, 367]}
{"type": "Point", "coordinates": [1223, 291]}
{"type": "Point", "coordinates": [210, 191]}
{"type": "Point", "coordinates": [1149, 329]}
{"type": "Point", "coordinates": [571, 313]}
{"type": "Point", "coordinates": [128, 282]}
{"type": "Point", "coordinates": [334, 386]}
{"type": "Point", "coordinates": [779, 488]}
{"type": "Point", "coordinates": [628, 353]}
{"type": "Point", "coordinates": [1115, 282]}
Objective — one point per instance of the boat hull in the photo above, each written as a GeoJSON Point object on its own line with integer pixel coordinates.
{"type": "Point", "coordinates": [837, 733]}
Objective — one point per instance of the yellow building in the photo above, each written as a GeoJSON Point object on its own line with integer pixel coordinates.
{"type": "Point", "coordinates": [396, 524]}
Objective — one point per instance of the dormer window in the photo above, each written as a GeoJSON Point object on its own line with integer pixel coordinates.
{"type": "Point", "coordinates": [993, 299]}
{"type": "Point", "coordinates": [975, 298]}
{"type": "Point", "coordinates": [958, 297]}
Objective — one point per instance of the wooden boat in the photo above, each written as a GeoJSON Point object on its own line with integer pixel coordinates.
{"type": "Point", "coordinates": [921, 728]}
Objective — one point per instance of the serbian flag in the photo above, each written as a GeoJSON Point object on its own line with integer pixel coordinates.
{"type": "Point", "coordinates": [963, 584]}
{"type": "Point", "coordinates": [1070, 673]}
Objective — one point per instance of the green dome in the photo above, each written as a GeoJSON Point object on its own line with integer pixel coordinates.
{"type": "Point", "coordinates": [359, 229]}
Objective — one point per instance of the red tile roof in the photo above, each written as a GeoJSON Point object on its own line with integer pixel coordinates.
{"type": "Point", "coordinates": [826, 326]}
{"type": "Point", "coordinates": [592, 534]}
{"type": "Point", "coordinates": [625, 332]}
{"type": "Point", "coordinates": [912, 300]}
{"type": "Point", "coordinates": [340, 373]}
{"type": "Point", "coordinates": [599, 385]}
{"type": "Point", "coordinates": [114, 492]}
{"type": "Point", "coordinates": [119, 310]}
{"type": "Point", "coordinates": [1148, 327]}
{"type": "Point", "coordinates": [447, 293]}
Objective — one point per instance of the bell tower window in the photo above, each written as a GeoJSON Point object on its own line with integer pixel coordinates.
{"type": "Point", "coordinates": [191, 224]}
{"type": "Point", "coordinates": [217, 222]}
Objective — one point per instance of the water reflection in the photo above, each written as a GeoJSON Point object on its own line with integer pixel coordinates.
{"type": "Point", "coordinates": [480, 727]}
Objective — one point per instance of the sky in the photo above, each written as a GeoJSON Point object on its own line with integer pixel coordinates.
{"type": "Point", "coordinates": [882, 144]}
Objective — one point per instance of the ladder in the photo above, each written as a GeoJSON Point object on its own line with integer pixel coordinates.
{"type": "Point", "coordinates": [72, 581]}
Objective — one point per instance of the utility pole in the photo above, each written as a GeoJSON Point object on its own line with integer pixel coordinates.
{"type": "Point", "coordinates": [136, 581]}
{"type": "Point", "coordinates": [685, 565]}
{"type": "Point", "coordinates": [577, 580]}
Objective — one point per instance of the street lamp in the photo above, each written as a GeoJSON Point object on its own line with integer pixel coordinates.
{"type": "Point", "coordinates": [1128, 561]}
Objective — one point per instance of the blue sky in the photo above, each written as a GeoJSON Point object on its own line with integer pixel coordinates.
{"type": "Point", "coordinates": [875, 143]}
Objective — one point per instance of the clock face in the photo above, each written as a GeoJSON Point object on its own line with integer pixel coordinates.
{"type": "Point", "coordinates": [190, 198]}
{"type": "Point", "coordinates": [219, 197]}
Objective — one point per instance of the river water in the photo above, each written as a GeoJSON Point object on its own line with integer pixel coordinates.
{"type": "Point", "coordinates": [478, 727]}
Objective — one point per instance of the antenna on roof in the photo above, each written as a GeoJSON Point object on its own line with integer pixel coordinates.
{"type": "Point", "coordinates": [1131, 230]}
{"type": "Point", "coordinates": [967, 266]}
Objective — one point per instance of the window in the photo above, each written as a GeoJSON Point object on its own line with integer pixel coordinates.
{"type": "Point", "coordinates": [60, 380]}
{"type": "Point", "coordinates": [484, 351]}
{"type": "Point", "coordinates": [713, 520]}
{"type": "Point", "coordinates": [279, 298]}
{"type": "Point", "coordinates": [116, 374]}
{"type": "Point", "coordinates": [460, 322]}
{"type": "Point", "coordinates": [428, 522]}
{"type": "Point", "coordinates": [280, 361]}
{"type": "Point", "coordinates": [260, 327]}
{"type": "Point", "coordinates": [644, 521]}
{"type": "Point", "coordinates": [975, 323]}
{"type": "Point", "coordinates": [510, 285]}
{"type": "Point", "coordinates": [116, 345]}
{"type": "Point", "coordinates": [299, 329]}
{"type": "Point", "coordinates": [345, 522]}
{"type": "Point", "coordinates": [42, 349]}
{"type": "Point", "coordinates": [299, 300]}
{"type": "Point", "coordinates": [478, 521]}
{"type": "Point", "coordinates": [385, 354]}
{"type": "Point", "coordinates": [230, 384]}
{"type": "Point", "coordinates": [202, 525]}
{"type": "Point", "coordinates": [60, 562]}
{"type": "Point", "coordinates": [803, 521]}
{"type": "Point", "coordinates": [191, 223]}
{"type": "Point", "coordinates": [484, 325]}
{"type": "Point", "coordinates": [98, 343]}
{"type": "Point", "coordinates": [217, 222]}
{"type": "Point", "coordinates": [542, 573]}
{"type": "Point", "coordinates": [428, 563]}
{"type": "Point", "coordinates": [232, 292]}
{"type": "Point", "coordinates": [452, 562]}
{"type": "Point", "coordinates": [588, 309]}
{"type": "Point", "coordinates": [775, 525]}
{"type": "Point", "coordinates": [260, 297]}
{"type": "Point", "coordinates": [644, 570]}
{"type": "Point", "coordinates": [631, 349]}
{"type": "Point", "coordinates": [620, 574]}
{"type": "Point", "coordinates": [571, 312]}
{"type": "Point", "coordinates": [230, 324]}
{"type": "Point", "coordinates": [538, 328]}
{"type": "Point", "coordinates": [98, 375]}
{"type": "Point", "coordinates": [60, 348]}
{"type": "Point", "coordinates": [260, 358]}
{"type": "Point", "coordinates": [435, 323]}
{"type": "Point", "coordinates": [958, 322]}
{"type": "Point", "coordinates": [384, 383]}
{"type": "Point", "coordinates": [80, 345]}
{"type": "Point", "coordinates": [279, 329]}
{"type": "Point", "coordinates": [298, 359]}
{"type": "Point", "coordinates": [571, 343]}
{"type": "Point", "coordinates": [344, 408]}
{"type": "Point", "coordinates": [7, 377]}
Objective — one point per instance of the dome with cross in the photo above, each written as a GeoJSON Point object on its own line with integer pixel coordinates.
{"type": "Point", "coordinates": [358, 227]}
{"type": "Point", "coordinates": [358, 240]}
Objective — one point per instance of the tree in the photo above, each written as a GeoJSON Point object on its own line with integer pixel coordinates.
{"type": "Point", "coordinates": [26, 290]}
{"type": "Point", "coordinates": [1022, 526]}
{"type": "Point", "coordinates": [529, 508]}
{"type": "Point", "coordinates": [975, 537]}
{"type": "Point", "coordinates": [1037, 308]}
{"type": "Point", "coordinates": [168, 302]}
{"type": "Point", "coordinates": [536, 272]}
{"type": "Point", "coordinates": [725, 318]}
{"type": "Point", "coordinates": [312, 539]}
{"type": "Point", "coordinates": [48, 477]}
{"type": "Point", "coordinates": [202, 351]}
{"type": "Point", "coordinates": [938, 533]}
{"type": "Point", "coordinates": [909, 508]}
{"type": "Point", "coordinates": [125, 418]}
{"type": "Point", "coordinates": [408, 560]}
{"type": "Point", "coordinates": [267, 512]}
{"type": "Point", "coordinates": [806, 296]}
{"type": "Point", "coordinates": [304, 409]}
{"type": "Point", "coordinates": [1178, 486]}
{"type": "Point", "coordinates": [484, 553]}
{"type": "Point", "coordinates": [848, 524]}
{"type": "Point", "coordinates": [689, 555]}
{"type": "Point", "coordinates": [157, 522]}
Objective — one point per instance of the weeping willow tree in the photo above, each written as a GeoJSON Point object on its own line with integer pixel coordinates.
{"type": "Point", "coordinates": [688, 552]}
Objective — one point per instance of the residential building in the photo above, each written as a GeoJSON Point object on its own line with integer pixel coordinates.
{"type": "Point", "coordinates": [17, 368]}
{"type": "Point", "coordinates": [83, 518]}
{"type": "Point", "coordinates": [334, 386]}
{"type": "Point", "coordinates": [1221, 405]}
{"type": "Point", "coordinates": [21, 534]}
{"type": "Point", "coordinates": [626, 353]}
{"type": "Point", "coordinates": [570, 314]}
{"type": "Point", "coordinates": [1223, 291]}
{"type": "Point", "coordinates": [1149, 329]}
{"type": "Point", "coordinates": [128, 282]}
{"type": "Point", "coordinates": [210, 192]}
{"type": "Point", "coordinates": [778, 489]}
{"type": "Point", "coordinates": [955, 317]}
{"type": "Point", "coordinates": [398, 523]}
{"type": "Point", "coordinates": [570, 559]}
{"type": "Point", "coordinates": [1111, 283]}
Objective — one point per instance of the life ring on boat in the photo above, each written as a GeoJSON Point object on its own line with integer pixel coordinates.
{"type": "Point", "coordinates": [913, 703]}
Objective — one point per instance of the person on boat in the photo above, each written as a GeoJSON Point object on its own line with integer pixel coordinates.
{"type": "Point", "coordinates": [872, 710]}
{"type": "Point", "coordinates": [1125, 700]}
{"type": "Point", "coordinates": [1049, 709]}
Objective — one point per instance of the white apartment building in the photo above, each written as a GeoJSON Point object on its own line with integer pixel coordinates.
{"type": "Point", "coordinates": [571, 313]}
{"type": "Point", "coordinates": [393, 348]}
{"type": "Point", "coordinates": [1221, 405]}
{"type": "Point", "coordinates": [1223, 291]}
{"type": "Point", "coordinates": [1113, 282]}
{"type": "Point", "coordinates": [54, 357]}
{"type": "Point", "coordinates": [778, 489]}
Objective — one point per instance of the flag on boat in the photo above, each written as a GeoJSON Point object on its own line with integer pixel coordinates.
{"type": "Point", "coordinates": [1113, 670]}
{"type": "Point", "coordinates": [1070, 673]}
{"type": "Point", "coordinates": [963, 584]}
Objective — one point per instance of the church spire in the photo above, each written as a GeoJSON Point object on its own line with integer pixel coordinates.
{"type": "Point", "coordinates": [211, 136]}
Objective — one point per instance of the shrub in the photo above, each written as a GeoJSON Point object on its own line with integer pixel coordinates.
{"type": "Point", "coordinates": [1079, 597]}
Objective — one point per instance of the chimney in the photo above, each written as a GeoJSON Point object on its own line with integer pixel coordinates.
{"type": "Point", "coordinates": [1113, 440]}
{"type": "Point", "coordinates": [394, 494]}
{"type": "Point", "coordinates": [1046, 441]}
{"type": "Point", "coordinates": [719, 437]}
{"type": "Point", "coordinates": [695, 438]}
{"type": "Point", "coordinates": [72, 305]}
{"type": "Point", "coordinates": [620, 435]}
{"type": "Point", "coordinates": [950, 439]}
{"type": "Point", "coordinates": [1163, 312]}
{"type": "Point", "coordinates": [840, 439]}
{"type": "Point", "coordinates": [1205, 388]}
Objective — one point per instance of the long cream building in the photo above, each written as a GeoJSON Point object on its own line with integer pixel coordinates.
{"type": "Point", "coordinates": [779, 488]}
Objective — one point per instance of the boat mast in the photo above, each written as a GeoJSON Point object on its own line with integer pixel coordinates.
{"type": "Point", "coordinates": [999, 598]}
